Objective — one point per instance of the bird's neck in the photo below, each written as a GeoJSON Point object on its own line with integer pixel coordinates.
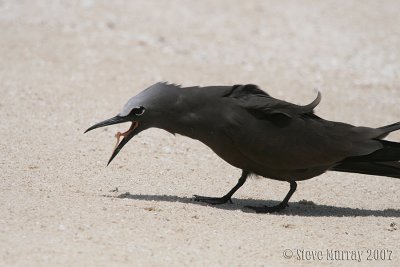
{"type": "Point", "coordinates": [184, 115]}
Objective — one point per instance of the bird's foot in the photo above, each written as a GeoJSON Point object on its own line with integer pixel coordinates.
{"type": "Point", "coordinates": [213, 200]}
{"type": "Point", "coordinates": [265, 209]}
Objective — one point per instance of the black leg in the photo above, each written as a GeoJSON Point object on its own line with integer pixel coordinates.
{"type": "Point", "coordinates": [227, 197]}
{"type": "Point", "coordinates": [280, 206]}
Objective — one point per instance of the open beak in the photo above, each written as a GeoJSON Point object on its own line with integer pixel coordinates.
{"type": "Point", "coordinates": [126, 135]}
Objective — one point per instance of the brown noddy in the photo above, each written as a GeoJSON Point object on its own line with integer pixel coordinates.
{"type": "Point", "coordinates": [259, 134]}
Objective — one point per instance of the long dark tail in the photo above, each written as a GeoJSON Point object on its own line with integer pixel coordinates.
{"type": "Point", "coordinates": [383, 162]}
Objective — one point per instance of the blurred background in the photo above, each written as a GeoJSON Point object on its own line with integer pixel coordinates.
{"type": "Point", "coordinates": [67, 64]}
{"type": "Point", "coordinates": [288, 48]}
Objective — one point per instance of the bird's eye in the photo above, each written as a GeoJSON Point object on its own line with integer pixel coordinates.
{"type": "Point", "coordinates": [138, 111]}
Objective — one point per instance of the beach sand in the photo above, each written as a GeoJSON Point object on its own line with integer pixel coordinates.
{"type": "Point", "coordinates": [65, 65]}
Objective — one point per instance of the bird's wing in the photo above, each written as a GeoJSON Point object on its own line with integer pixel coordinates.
{"type": "Point", "coordinates": [282, 135]}
{"type": "Point", "coordinates": [252, 98]}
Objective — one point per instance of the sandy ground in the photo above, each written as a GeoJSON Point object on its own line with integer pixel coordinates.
{"type": "Point", "coordinates": [65, 65]}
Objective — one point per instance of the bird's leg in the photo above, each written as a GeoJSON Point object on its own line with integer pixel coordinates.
{"type": "Point", "coordinates": [227, 197]}
{"type": "Point", "coordinates": [280, 206]}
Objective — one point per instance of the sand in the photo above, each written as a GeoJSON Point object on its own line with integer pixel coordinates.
{"type": "Point", "coordinates": [65, 65]}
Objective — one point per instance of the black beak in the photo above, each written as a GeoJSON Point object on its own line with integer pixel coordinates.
{"type": "Point", "coordinates": [115, 120]}
{"type": "Point", "coordinates": [127, 135]}
{"type": "Point", "coordinates": [123, 142]}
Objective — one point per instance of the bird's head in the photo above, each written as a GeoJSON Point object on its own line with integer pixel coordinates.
{"type": "Point", "coordinates": [144, 110]}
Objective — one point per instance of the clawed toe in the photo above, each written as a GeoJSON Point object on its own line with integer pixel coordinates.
{"type": "Point", "coordinates": [212, 200]}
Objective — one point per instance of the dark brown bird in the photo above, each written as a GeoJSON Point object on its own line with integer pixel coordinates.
{"type": "Point", "coordinates": [260, 134]}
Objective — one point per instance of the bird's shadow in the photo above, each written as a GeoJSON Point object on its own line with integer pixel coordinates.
{"type": "Point", "coordinates": [301, 208]}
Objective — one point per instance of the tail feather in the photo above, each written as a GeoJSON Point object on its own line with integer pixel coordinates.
{"type": "Point", "coordinates": [389, 152]}
{"type": "Point", "coordinates": [383, 162]}
{"type": "Point", "coordinates": [389, 169]}
{"type": "Point", "coordinates": [385, 130]}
